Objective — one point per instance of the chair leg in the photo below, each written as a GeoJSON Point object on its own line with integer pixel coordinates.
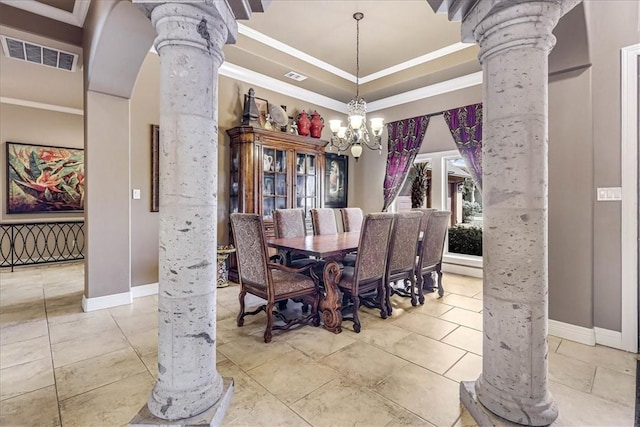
{"type": "Point", "coordinates": [315, 311]}
{"type": "Point", "coordinates": [240, 318]}
{"type": "Point", "coordinates": [388, 300]}
{"type": "Point", "coordinates": [382, 299]}
{"type": "Point", "coordinates": [414, 299]}
{"type": "Point", "coordinates": [420, 289]}
{"type": "Point", "coordinates": [440, 288]}
{"type": "Point", "coordinates": [267, 332]}
{"type": "Point", "coordinates": [356, 320]}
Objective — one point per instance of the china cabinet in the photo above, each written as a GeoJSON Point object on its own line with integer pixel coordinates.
{"type": "Point", "coordinates": [273, 170]}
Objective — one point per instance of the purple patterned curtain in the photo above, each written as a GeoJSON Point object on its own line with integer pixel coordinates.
{"type": "Point", "coordinates": [465, 124]}
{"type": "Point", "coordinates": [405, 139]}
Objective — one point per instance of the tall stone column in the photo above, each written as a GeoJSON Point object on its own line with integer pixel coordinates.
{"type": "Point", "coordinates": [189, 42]}
{"type": "Point", "coordinates": [515, 39]}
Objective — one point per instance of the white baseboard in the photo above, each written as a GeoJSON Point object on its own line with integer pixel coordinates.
{"type": "Point", "coordinates": [462, 269]}
{"type": "Point", "coordinates": [144, 290]}
{"type": "Point", "coordinates": [107, 301]}
{"type": "Point", "coordinates": [609, 338]}
{"type": "Point", "coordinates": [572, 332]}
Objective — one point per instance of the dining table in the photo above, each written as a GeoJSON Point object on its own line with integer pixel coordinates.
{"type": "Point", "coordinates": [332, 248]}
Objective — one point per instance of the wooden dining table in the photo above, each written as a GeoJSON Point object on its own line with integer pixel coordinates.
{"type": "Point", "coordinates": [332, 248]}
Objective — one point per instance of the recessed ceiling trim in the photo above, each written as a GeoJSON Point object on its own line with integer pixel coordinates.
{"type": "Point", "coordinates": [80, 9]}
{"type": "Point", "coordinates": [461, 82]}
{"type": "Point", "coordinates": [447, 50]}
{"type": "Point", "coordinates": [289, 50]}
{"type": "Point", "coordinates": [41, 105]}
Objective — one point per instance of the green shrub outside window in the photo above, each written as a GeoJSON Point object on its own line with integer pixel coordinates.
{"type": "Point", "coordinates": [465, 240]}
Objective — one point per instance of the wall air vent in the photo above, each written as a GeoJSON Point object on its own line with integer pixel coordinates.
{"type": "Point", "coordinates": [38, 54]}
{"type": "Point", "coordinates": [295, 76]}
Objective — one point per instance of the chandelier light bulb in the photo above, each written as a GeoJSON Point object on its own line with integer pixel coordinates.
{"type": "Point", "coordinates": [335, 125]}
{"type": "Point", "coordinates": [355, 121]}
{"type": "Point", "coordinates": [356, 151]}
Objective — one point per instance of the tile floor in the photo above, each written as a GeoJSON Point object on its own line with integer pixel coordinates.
{"type": "Point", "coordinates": [60, 366]}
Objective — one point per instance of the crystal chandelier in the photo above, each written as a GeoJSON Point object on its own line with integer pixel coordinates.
{"type": "Point", "coordinates": [356, 134]}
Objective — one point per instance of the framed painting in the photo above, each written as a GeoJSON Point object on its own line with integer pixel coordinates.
{"type": "Point", "coordinates": [263, 110]}
{"type": "Point", "coordinates": [336, 180]}
{"type": "Point", "coordinates": [155, 168]}
{"type": "Point", "coordinates": [41, 178]}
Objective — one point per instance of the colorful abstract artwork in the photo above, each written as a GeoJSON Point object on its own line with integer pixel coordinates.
{"type": "Point", "coordinates": [44, 179]}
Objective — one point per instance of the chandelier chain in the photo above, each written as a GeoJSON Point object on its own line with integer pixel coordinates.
{"type": "Point", "coordinates": [357, 57]}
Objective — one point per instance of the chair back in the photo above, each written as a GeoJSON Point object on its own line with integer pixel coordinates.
{"type": "Point", "coordinates": [403, 243]}
{"type": "Point", "coordinates": [352, 219]}
{"type": "Point", "coordinates": [289, 223]}
{"type": "Point", "coordinates": [433, 239]}
{"type": "Point", "coordinates": [373, 247]}
{"type": "Point", "coordinates": [324, 221]}
{"type": "Point", "coordinates": [251, 248]}
{"type": "Point", "coordinates": [426, 213]}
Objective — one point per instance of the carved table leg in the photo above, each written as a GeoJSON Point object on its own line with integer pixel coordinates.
{"type": "Point", "coordinates": [330, 304]}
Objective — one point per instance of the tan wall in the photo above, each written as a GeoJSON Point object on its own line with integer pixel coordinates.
{"type": "Point", "coordinates": [35, 126]}
{"type": "Point", "coordinates": [145, 103]}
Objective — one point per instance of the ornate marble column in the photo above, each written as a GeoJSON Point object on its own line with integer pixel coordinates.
{"type": "Point", "coordinates": [189, 42]}
{"type": "Point", "coordinates": [515, 39]}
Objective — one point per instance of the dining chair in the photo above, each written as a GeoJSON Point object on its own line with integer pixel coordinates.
{"type": "Point", "coordinates": [291, 223]}
{"type": "Point", "coordinates": [352, 219]}
{"type": "Point", "coordinates": [426, 213]}
{"type": "Point", "coordinates": [368, 274]}
{"type": "Point", "coordinates": [430, 259]}
{"type": "Point", "coordinates": [323, 221]}
{"type": "Point", "coordinates": [401, 260]}
{"type": "Point", "coordinates": [267, 280]}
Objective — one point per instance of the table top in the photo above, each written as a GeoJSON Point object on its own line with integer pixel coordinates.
{"type": "Point", "coordinates": [322, 246]}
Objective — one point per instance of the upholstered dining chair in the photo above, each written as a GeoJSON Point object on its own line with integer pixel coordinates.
{"type": "Point", "coordinates": [430, 259]}
{"type": "Point", "coordinates": [323, 221]}
{"type": "Point", "coordinates": [290, 223]}
{"type": "Point", "coordinates": [352, 219]}
{"type": "Point", "coordinates": [401, 260]}
{"type": "Point", "coordinates": [368, 275]}
{"type": "Point", "coordinates": [426, 213]}
{"type": "Point", "coordinates": [270, 281]}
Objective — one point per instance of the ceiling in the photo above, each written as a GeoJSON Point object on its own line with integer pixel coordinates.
{"type": "Point", "coordinates": [404, 46]}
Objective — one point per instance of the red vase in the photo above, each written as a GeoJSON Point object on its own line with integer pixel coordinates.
{"type": "Point", "coordinates": [303, 124]}
{"type": "Point", "coordinates": [317, 123]}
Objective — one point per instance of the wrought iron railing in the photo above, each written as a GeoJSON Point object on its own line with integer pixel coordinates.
{"type": "Point", "coordinates": [41, 242]}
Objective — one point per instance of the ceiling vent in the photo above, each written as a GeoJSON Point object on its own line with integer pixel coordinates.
{"type": "Point", "coordinates": [38, 54]}
{"type": "Point", "coordinates": [295, 76]}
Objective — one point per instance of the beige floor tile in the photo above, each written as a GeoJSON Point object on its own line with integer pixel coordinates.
{"type": "Point", "coordinates": [38, 408]}
{"type": "Point", "coordinates": [468, 368]}
{"type": "Point", "coordinates": [88, 346]}
{"type": "Point", "coordinates": [22, 294]}
{"type": "Point", "coordinates": [151, 362]}
{"type": "Point", "coordinates": [24, 351]}
{"type": "Point", "coordinates": [227, 330]}
{"type": "Point", "coordinates": [432, 306]}
{"type": "Point", "coordinates": [466, 338]}
{"type": "Point", "coordinates": [145, 342]}
{"type": "Point", "coordinates": [148, 304]}
{"type": "Point", "coordinates": [67, 310]}
{"type": "Point", "coordinates": [617, 360]}
{"type": "Point", "coordinates": [581, 409]}
{"type": "Point", "coordinates": [23, 331]}
{"type": "Point", "coordinates": [615, 386]}
{"type": "Point", "coordinates": [377, 332]}
{"type": "Point", "coordinates": [407, 419]}
{"type": "Point", "coordinates": [465, 420]}
{"type": "Point", "coordinates": [223, 312]}
{"type": "Point", "coordinates": [92, 323]}
{"type": "Point", "coordinates": [463, 302]}
{"type": "Point", "coordinates": [251, 352]}
{"type": "Point", "coordinates": [478, 295]}
{"type": "Point", "coordinates": [317, 342]}
{"type": "Point", "coordinates": [364, 364]}
{"type": "Point", "coordinates": [112, 405]}
{"type": "Point", "coordinates": [137, 322]}
{"type": "Point", "coordinates": [252, 405]}
{"type": "Point", "coordinates": [89, 374]}
{"type": "Point", "coordinates": [424, 393]}
{"type": "Point", "coordinates": [25, 378]}
{"type": "Point", "coordinates": [342, 403]}
{"type": "Point", "coordinates": [24, 312]}
{"type": "Point", "coordinates": [553, 343]}
{"type": "Point", "coordinates": [570, 372]}
{"type": "Point", "coordinates": [426, 352]}
{"type": "Point", "coordinates": [470, 319]}
{"type": "Point", "coordinates": [63, 287]}
{"type": "Point", "coordinates": [425, 325]}
{"type": "Point", "coordinates": [467, 289]}
{"type": "Point", "coordinates": [292, 376]}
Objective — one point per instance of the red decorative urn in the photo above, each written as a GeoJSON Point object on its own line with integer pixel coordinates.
{"type": "Point", "coordinates": [317, 123]}
{"type": "Point", "coordinates": [303, 124]}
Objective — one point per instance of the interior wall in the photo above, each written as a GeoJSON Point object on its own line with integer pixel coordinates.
{"type": "Point", "coordinates": [35, 126]}
{"type": "Point", "coordinates": [611, 26]}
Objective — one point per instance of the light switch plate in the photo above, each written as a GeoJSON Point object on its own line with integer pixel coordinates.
{"type": "Point", "coordinates": [136, 194]}
{"type": "Point", "coordinates": [609, 194]}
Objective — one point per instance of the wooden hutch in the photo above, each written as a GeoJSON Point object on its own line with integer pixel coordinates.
{"type": "Point", "coordinates": [273, 170]}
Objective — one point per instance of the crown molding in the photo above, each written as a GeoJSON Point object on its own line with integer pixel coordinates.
{"type": "Point", "coordinates": [76, 18]}
{"type": "Point", "coordinates": [41, 105]}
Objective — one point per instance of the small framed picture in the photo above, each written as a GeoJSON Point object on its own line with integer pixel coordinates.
{"type": "Point", "coordinates": [336, 180]}
{"type": "Point", "coordinates": [263, 110]}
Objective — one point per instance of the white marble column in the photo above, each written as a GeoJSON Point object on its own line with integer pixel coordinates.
{"type": "Point", "coordinates": [515, 40]}
{"type": "Point", "coordinates": [189, 42]}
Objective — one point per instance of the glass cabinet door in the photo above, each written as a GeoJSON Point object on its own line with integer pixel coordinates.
{"type": "Point", "coordinates": [306, 184]}
{"type": "Point", "coordinates": [274, 181]}
{"type": "Point", "coordinates": [234, 191]}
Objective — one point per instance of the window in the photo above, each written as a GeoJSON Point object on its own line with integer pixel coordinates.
{"type": "Point", "coordinates": [416, 190]}
{"type": "Point", "coordinates": [464, 201]}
